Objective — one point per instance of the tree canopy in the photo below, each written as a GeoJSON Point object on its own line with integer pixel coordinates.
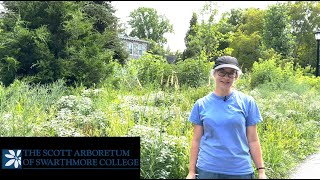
{"type": "Point", "coordinates": [51, 40]}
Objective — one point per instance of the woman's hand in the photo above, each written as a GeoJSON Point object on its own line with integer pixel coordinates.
{"type": "Point", "coordinates": [262, 175]}
{"type": "Point", "coordinates": [191, 176]}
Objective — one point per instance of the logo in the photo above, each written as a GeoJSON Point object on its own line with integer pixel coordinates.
{"type": "Point", "coordinates": [11, 159]}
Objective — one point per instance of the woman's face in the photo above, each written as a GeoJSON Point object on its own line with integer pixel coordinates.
{"type": "Point", "coordinates": [225, 78]}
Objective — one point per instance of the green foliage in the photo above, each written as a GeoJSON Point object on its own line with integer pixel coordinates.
{"type": "Point", "coordinates": [148, 97]}
{"type": "Point", "coordinates": [159, 116]}
{"type": "Point", "coordinates": [193, 72]}
{"type": "Point", "coordinates": [252, 21]}
{"type": "Point", "coordinates": [102, 13]}
{"type": "Point", "coordinates": [190, 51]}
{"type": "Point", "coordinates": [77, 111]}
{"type": "Point", "coordinates": [124, 77]}
{"type": "Point", "coordinates": [243, 83]}
{"type": "Point", "coordinates": [88, 59]}
{"type": "Point", "coordinates": [154, 71]}
{"type": "Point", "coordinates": [246, 41]}
{"type": "Point", "coordinates": [209, 36]}
{"type": "Point", "coordinates": [53, 40]}
{"type": "Point", "coordinates": [276, 30]}
{"type": "Point", "coordinates": [273, 74]}
{"type": "Point", "coordinates": [287, 116]}
{"type": "Point", "coordinates": [24, 107]}
{"type": "Point", "coordinates": [304, 16]}
{"type": "Point", "coordinates": [155, 48]}
{"type": "Point", "coordinates": [313, 83]}
{"type": "Point", "coordinates": [162, 154]}
{"type": "Point", "coordinates": [29, 49]}
{"type": "Point", "coordinates": [8, 69]}
{"type": "Point", "coordinates": [246, 54]}
{"type": "Point", "coordinates": [147, 24]}
{"type": "Point", "coordinates": [149, 69]}
{"type": "Point", "coordinates": [207, 39]}
{"type": "Point", "coordinates": [234, 17]}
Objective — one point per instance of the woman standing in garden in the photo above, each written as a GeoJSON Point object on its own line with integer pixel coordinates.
{"type": "Point", "coordinates": [225, 134]}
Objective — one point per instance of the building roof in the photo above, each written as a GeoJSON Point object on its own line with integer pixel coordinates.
{"type": "Point", "coordinates": [126, 37]}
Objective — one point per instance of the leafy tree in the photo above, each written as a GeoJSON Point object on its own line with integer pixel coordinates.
{"type": "Point", "coordinates": [246, 49]}
{"type": "Point", "coordinates": [227, 32]}
{"type": "Point", "coordinates": [51, 40]}
{"type": "Point", "coordinates": [252, 21]}
{"type": "Point", "coordinates": [105, 21]}
{"type": "Point", "coordinates": [103, 14]}
{"type": "Point", "coordinates": [246, 42]}
{"type": "Point", "coordinates": [208, 31]}
{"type": "Point", "coordinates": [276, 31]}
{"type": "Point", "coordinates": [305, 18]}
{"type": "Point", "coordinates": [207, 36]}
{"type": "Point", "coordinates": [190, 51]}
{"type": "Point", "coordinates": [156, 49]}
{"type": "Point", "coordinates": [234, 17]}
{"type": "Point", "coordinates": [147, 24]}
{"type": "Point", "coordinates": [26, 52]}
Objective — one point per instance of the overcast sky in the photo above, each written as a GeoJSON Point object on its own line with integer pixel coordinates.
{"type": "Point", "coordinates": [179, 14]}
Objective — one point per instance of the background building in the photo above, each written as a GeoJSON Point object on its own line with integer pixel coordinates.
{"type": "Point", "coordinates": [135, 46]}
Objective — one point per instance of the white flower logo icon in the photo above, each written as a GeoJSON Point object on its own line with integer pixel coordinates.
{"type": "Point", "coordinates": [15, 158]}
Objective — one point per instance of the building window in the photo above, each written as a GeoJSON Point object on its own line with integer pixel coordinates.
{"type": "Point", "coordinates": [140, 49]}
{"type": "Point", "coordinates": [144, 48]}
{"type": "Point", "coordinates": [130, 48]}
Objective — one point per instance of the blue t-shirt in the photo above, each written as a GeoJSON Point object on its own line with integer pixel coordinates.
{"type": "Point", "coordinates": [224, 146]}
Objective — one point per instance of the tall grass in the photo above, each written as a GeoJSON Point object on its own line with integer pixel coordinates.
{"type": "Point", "coordinates": [159, 116]}
{"type": "Point", "coordinates": [24, 107]}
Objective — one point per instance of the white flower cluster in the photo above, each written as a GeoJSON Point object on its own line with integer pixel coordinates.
{"type": "Point", "coordinates": [76, 117]}
{"type": "Point", "coordinates": [158, 148]}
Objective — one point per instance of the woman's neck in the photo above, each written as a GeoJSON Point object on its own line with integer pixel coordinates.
{"type": "Point", "coordinates": [222, 92]}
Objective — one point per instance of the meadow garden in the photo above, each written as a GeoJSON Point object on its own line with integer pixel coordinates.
{"type": "Point", "coordinates": [152, 99]}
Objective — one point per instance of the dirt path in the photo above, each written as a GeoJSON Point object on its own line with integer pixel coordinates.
{"type": "Point", "coordinates": [308, 169]}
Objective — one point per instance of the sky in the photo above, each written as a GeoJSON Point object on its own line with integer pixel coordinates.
{"type": "Point", "coordinates": [179, 14]}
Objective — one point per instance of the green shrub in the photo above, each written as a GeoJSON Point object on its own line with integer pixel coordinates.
{"type": "Point", "coordinates": [270, 73]}
{"type": "Point", "coordinates": [162, 155]}
{"type": "Point", "coordinates": [148, 69]}
{"type": "Point", "coordinates": [193, 72]}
